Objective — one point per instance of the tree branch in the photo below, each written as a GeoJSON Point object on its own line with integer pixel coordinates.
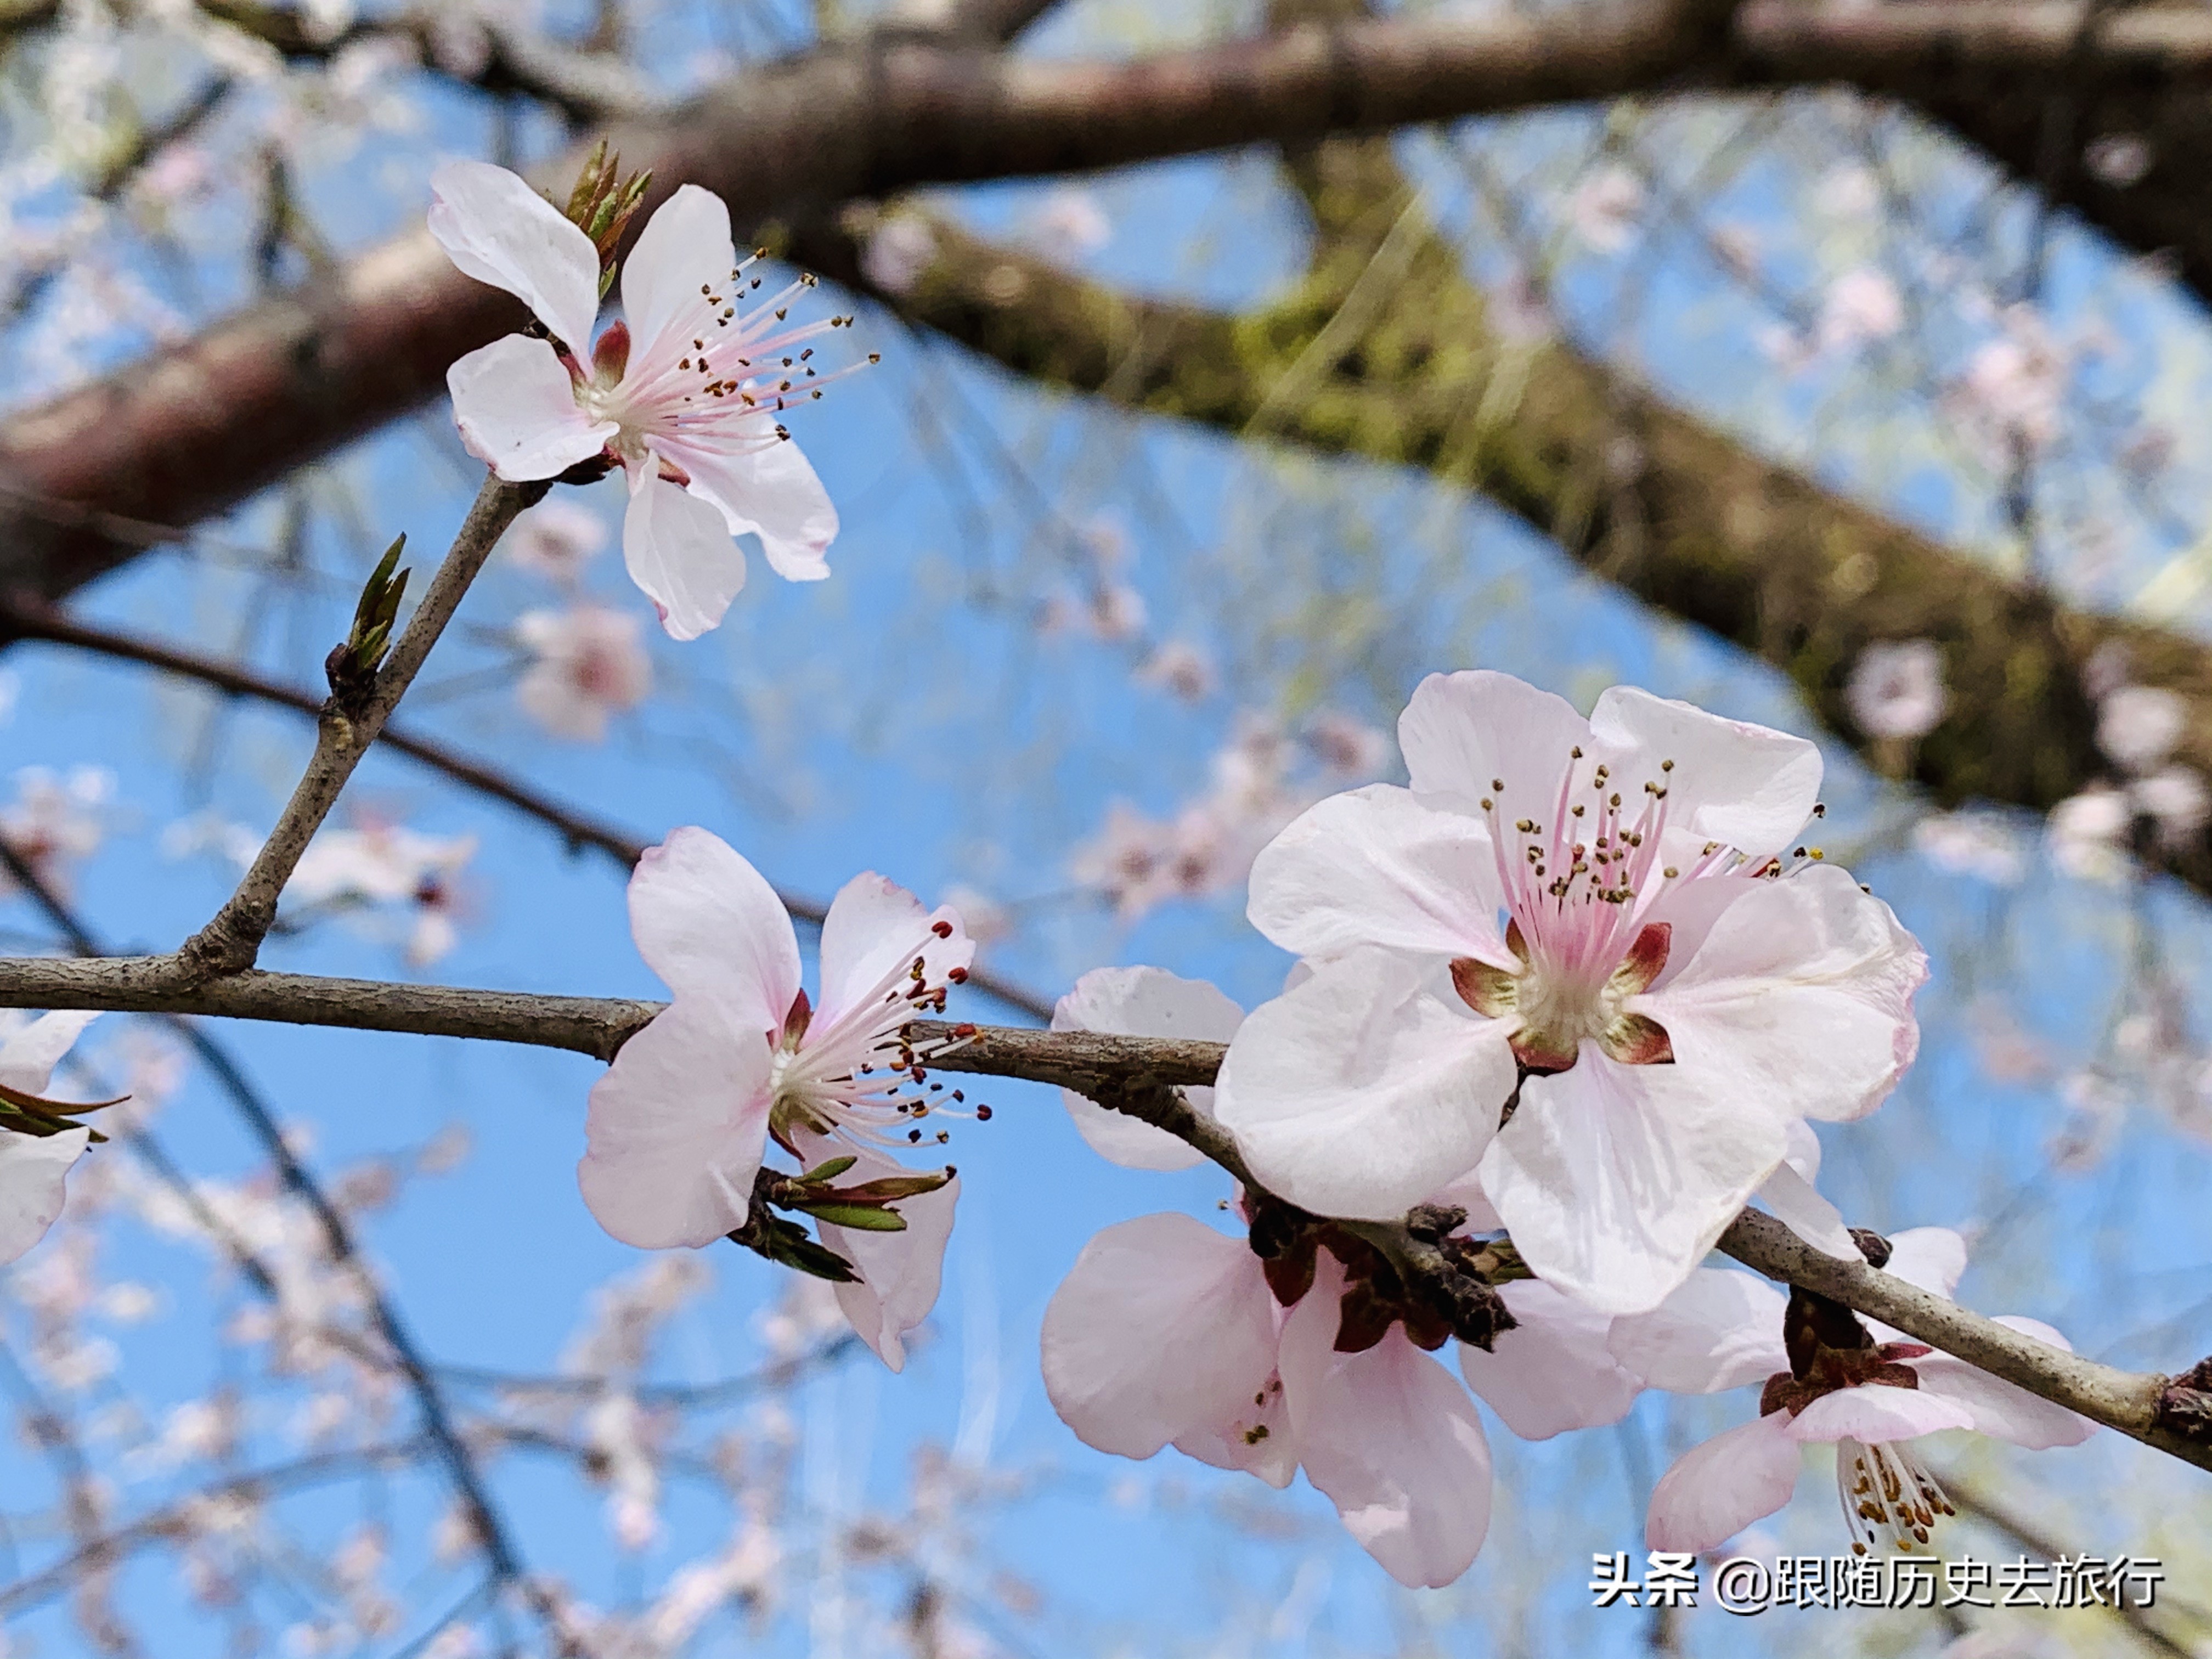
{"type": "Point", "coordinates": [577, 828]}
{"type": "Point", "coordinates": [195, 429]}
{"type": "Point", "coordinates": [1138, 1075]}
{"type": "Point", "coordinates": [490, 1526]}
{"type": "Point", "coordinates": [348, 724]}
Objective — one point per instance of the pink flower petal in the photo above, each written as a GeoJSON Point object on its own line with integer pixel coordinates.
{"type": "Point", "coordinates": [1142, 1002]}
{"type": "Point", "coordinates": [875, 928]}
{"type": "Point", "coordinates": [684, 246]}
{"type": "Point", "coordinates": [901, 1272]}
{"type": "Point", "coordinates": [1718, 1488]}
{"type": "Point", "coordinates": [1392, 1440]}
{"type": "Point", "coordinates": [1553, 1371]}
{"type": "Point", "coordinates": [770, 491]}
{"type": "Point", "coordinates": [2001, 1409]}
{"type": "Point", "coordinates": [1744, 786]}
{"type": "Point", "coordinates": [1794, 1201]}
{"type": "Point", "coordinates": [516, 411]}
{"type": "Point", "coordinates": [1875, 1412]}
{"type": "Point", "coordinates": [1721, 1330]}
{"type": "Point", "coordinates": [1163, 1329]}
{"type": "Point", "coordinates": [708, 923]}
{"type": "Point", "coordinates": [1798, 967]}
{"type": "Point", "coordinates": [32, 1191]}
{"type": "Point", "coordinates": [1934, 1258]}
{"type": "Point", "coordinates": [675, 1130]}
{"type": "Point", "coordinates": [1359, 1093]}
{"type": "Point", "coordinates": [1615, 1180]}
{"type": "Point", "coordinates": [29, 1058]}
{"type": "Point", "coordinates": [1376, 866]}
{"type": "Point", "coordinates": [497, 229]}
{"type": "Point", "coordinates": [677, 549]}
{"type": "Point", "coordinates": [1460, 731]}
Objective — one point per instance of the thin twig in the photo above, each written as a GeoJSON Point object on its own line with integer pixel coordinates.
{"type": "Point", "coordinates": [345, 731]}
{"type": "Point", "coordinates": [27, 619]}
{"type": "Point", "coordinates": [490, 1526]}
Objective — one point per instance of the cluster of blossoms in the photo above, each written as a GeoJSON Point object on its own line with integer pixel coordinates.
{"type": "Point", "coordinates": [2139, 730]}
{"type": "Point", "coordinates": [1568, 985]}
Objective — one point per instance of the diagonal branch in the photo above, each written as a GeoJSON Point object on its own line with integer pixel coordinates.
{"type": "Point", "coordinates": [363, 694]}
{"type": "Point", "coordinates": [1684, 516]}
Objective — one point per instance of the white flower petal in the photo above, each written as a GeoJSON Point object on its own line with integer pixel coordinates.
{"type": "Point", "coordinates": [770, 491]}
{"type": "Point", "coordinates": [1718, 1489]}
{"type": "Point", "coordinates": [1376, 866]}
{"type": "Point", "coordinates": [1721, 1330]}
{"type": "Point", "coordinates": [1746, 786]}
{"type": "Point", "coordinates": [1615, 1180]}
{"type": "Point", "coordinates": [497, 229]}
{"type": "Point", "coordinates": [516, 411]}
{"type": "Point", "coordinates": [1934, 1258]}
{"type": "Point", "coordinates": [1360, 1093]}
{"type": "Point", "coordinates": [675, 1130]}
{"type": "Point", "coordinates": [708, 923]}
{"type": "Point", "coordinates": [1794, 1201]}
{"type": "Point", "coordinates": [1142, 1002]}
{"type": "Point", "coordinates": [1876, 1411]}
{"type": "Point", "coordinates": [901, 1272]}
{"type": "Point", "coordinates": [1551, 1372]}
{"type": "Point", "coordinates": [1391, 1440]}
{"type": "Point", "coordinates": [1259, 1442]}
{"type": "Point", "coordinates": [32, 1190]}
{"type": "Point", "coordinates": [678, 550]}
{"type": "Point", "coordinates": [874, 928]}
{"type": "Point", "coordinates": [1164, 1328]}
{"type": "Point", "coordinates": [29, 1058]}
{"type": "Point", "coordinates": [684, 245]}
{"type": "Point", "coordinates": [2002, 1408]}
{"type": "Point", "coordinates": [1801, 995]}
{"type": "Point", "coordinates": [1461, 732]}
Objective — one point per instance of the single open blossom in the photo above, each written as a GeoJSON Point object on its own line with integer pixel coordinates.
{"type": "Point", "coordinates": [1849, 1383]}
{"type": "Point", "coordinates": [555, 540]}
{"type": "Point", "coordinates": [402, 874]}
{"type": "Point", "coordinates": [678, 1125]}
{"type": "Point", "coordinates": [1896, 689]}
{"type": "Point", "coordinates": [2138, 726]}
{"type": "Point", "coordinates": [1662, 1002]}
{"type": "Point", "coordinates": [56, 820]}
{"type": "Point", "coordinates": [589, 664]}
{"type": "Point", "coordinates": [32, 1166]}
{"type": "Point", "coordinates": [685, 394]}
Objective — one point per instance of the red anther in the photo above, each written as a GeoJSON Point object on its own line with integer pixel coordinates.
{"type": "Point", "coordinates": [958, 975]}
{"type": "Point", "coordinates": [914, 1136]}
{"type": "Point", "coordinates": [964, 1029]}
{"type": "Point", "coordinates": [918, 1074]}
{"type": "Point", "coordinates": [982, 1113]}
{"type": "Point", "coordinates": [942, 929]}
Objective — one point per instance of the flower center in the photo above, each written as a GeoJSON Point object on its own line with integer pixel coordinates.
{"type": "Point", "coordinates": [861, 1076]}
{"type": "Point", "coordinates": [1579, 880]}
